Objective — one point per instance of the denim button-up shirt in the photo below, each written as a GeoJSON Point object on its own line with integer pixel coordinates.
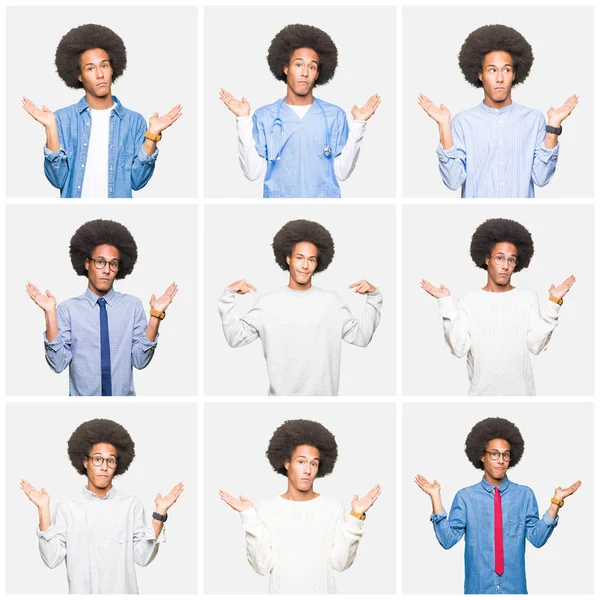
{"type": "Point", "coordinates": [129, 167]}
{"type": "Point", "coordinates": [472, 515]}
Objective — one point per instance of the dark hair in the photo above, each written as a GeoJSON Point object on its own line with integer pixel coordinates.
{"type": "Point", "coordinates": [291, 38]}
{"type": "Point", "coordinates": [83, 38]}
{"type": "Point", "coordinates": [490, 38]}
{"type": "Point", "coordinates": [494, 231]}
{"type": "Point", "coordinates": [293, 233]}
{"type": "Point", "coordinates": [300, 432]}
{"type": "Point", "coordinates": [101, 431]}
{"type": "Point", "coordinates": [95, 233]}
{"type": "Point", "coordinates": [491, 429]}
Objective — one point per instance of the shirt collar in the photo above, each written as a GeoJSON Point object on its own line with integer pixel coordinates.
{"type": "Point", "coordinates": [91, 496]}
{"type": "Point", "coordinates": [118, 108]}
{"type": "Point", "coordinates": [488, 487]}
{"type": "Point", "coordinates": [497, 112]}
{"type": "Point", "coordinates": [93, 299]}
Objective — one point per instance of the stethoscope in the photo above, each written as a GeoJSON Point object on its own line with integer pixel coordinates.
{"type": "Point", "coordinates": [327, 151]}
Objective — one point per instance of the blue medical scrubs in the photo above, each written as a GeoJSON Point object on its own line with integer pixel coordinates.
{"type": "Point", "coordinates": [303, 170]}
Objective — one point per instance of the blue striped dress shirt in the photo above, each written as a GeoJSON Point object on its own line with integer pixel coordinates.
{"type": "Point", "coordinates": [497, 153]}
{"type": "Point", "coordinates": [78, 342]}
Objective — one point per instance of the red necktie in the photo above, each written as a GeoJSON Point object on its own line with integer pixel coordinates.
{"type": "Point", "coordinates": [498, 541]}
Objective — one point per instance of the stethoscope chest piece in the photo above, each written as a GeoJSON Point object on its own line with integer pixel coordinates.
{"type": "Point", "coordinates": [327, 151]}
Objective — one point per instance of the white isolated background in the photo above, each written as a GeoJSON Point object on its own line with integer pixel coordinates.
{"type": "Point", "coordinates": [237, 245]}
{"type": "Point", "coordinates": [558, 451]}
{"type": "Point", "coordinates": [236, 41]}
{"type": "Point", "coordinates": [162, 71]}
{"type": "Point", "coordinates": [564, 64]}
{"type": "Point", "coordinates": [38, 251]}
{"type": "Point", "coordinates": [435, 246]}
{"type": "Point", "coordinates": [40, 456]}
{"type": "Point", "coordinates": [235, 461]}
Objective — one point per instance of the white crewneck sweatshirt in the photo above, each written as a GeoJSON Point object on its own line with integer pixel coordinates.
{"type": "Point", "coordinates": [300, 544]}
{"type": "Point", "coordinates": [301, 334]}
{"type": "Point", "coordinates": [497, 331]}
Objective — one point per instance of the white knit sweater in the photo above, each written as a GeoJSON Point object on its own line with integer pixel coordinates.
{"type": "Point", "coordinates": [497, 331]}
{"type": "Point", "coordinates": [301, 333]}
{"type": "Point", "coordinates": [300, 544]}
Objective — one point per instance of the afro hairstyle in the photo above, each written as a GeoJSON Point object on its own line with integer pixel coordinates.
{"type": "Point", "coordinates": [98, 232]}
{"type": "Point", "coordinates": [83, 38]}
{"type": "Point", "coordinates": [98, 431]}
{"type": "Point", "coordinates": [300, 432]}
{"type": "Point", "coordinates": [490, 38]}
{"type": "Point", "coordinates": [301, 230]}
{"type": "Point", "coordinates": [493, 231]}
{"type": "Point", "coordinates": [292, 37]}
{"type": "Point", "coordinates": [491, 429]}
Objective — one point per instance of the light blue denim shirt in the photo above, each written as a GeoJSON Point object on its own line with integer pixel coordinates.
{"type": "Point", "coordinates": [129, 167]}
{"type": "Point", "coordinates": [472, 515]}
{"type": "Point", "coordinates": [77, 344]}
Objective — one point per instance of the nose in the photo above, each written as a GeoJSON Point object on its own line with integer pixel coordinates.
{"type": "Point", "coordinates": [500, 76]}
{"type": "Point", "coordinates": [106, 269]}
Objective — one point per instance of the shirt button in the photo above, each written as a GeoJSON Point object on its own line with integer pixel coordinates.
{"type": "Point", "coordinates": [85, 144]}
{"type": "Point", "coordinates": [501, 163]}
{"type": "Point", "coordinates": [78, 187]}
{"type": "Point", "coordinates": [500, 141]}
{"type": "Point", "coordinates": [82, 166]}
{"type": "Point", "coordinates": [87, 123]}
{"type": "Point", "coordinates": [501, 183]}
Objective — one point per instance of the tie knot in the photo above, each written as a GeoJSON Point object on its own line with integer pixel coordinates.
{"type": "Point", "coordinates": [102, 302]}
{"type": "Point", "coordinates": [496, 491]}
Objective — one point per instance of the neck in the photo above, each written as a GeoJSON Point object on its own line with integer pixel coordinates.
{"type": "Point", "coordinates": [296, 100]}
{"type": "Point", "coordinates": [493, 104]}
{"type": "Point", "coordinates": [99, 293]}
{"type": "Point", "coordinates": [496, 288]}
{"type": "Point", "coordinates": [100, 492]}
{"type": "Point", "coordinates": [294, 285]}
{"type": "Point", "coordinates": [299, 495]}
{"type": "Point", "coordinates": [99, 103]}
{"type": "Point", "coordinates": [492, 481]}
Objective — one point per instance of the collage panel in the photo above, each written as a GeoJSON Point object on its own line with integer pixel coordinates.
{"type": "Point", "coordinates": [95, 64]}
{"type": "Point", "coordinates": [141, 340]}
{"type": "Point", "coordinates": [553, 445]}
{"type": "Point", "coordinates": [289, 146]}
{"type": "Point", "coordinates": [478, 97]}
{"type": "Point", "coordinates": [65, 509]}
{"type": "Point", "coordinates": [295, 471]}
{"type": "Point", "coordinates": [336, 336]}
{"type": "Point", "coordinates": [506, 289]}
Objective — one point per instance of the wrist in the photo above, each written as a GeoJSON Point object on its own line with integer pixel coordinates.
{"type": "Point", "coordinates": [554, 122]}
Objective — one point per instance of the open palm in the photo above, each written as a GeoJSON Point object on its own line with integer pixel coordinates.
{"type": "Point", "coordinates": [428, 487]}
{"type": "Point", "coordinates": [559, 291]}
{"type": "Point", "coordinates": [240, 504]}
{"type": "Point", "coordinates": [440, 114]}
{"type": "Point", "coordinates": [240, 108]}
{"type": "Point", "coordinates": [364, 504]}
{"type": "Point", "coordinates": [436, 292]}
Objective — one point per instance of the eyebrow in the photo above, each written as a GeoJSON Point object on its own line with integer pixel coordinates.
{"type": "Point", "coordinates": [504, 65]}
{"type": "Point", "coordinates": [302, 456]}
{"type": "Point", "coordinates": [102, 455]}
{"type": "Point", "coordinates": [309, 256]}
{"type": "Point", "coordinates": [498, 253]}
{"type": "Point", "coordinates": [104, 258]}
{"type": "Point", "coordinates": [310, 61]}
{"type": "Point", "coordinates": [98, 62]}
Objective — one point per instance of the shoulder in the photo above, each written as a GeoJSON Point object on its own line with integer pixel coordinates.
{"type": "Point", "coordinates": [68, 112]}
{"type": "Point", "coordinates": [72, 302]}
{"type": "Point", "coordinates": [524, 111]}
{"type": "Point", "coordinates": [333, 109]}
{"type": "Point", "coordinates": [525, 294]}
{"type": "Point", "coordinates": [331, 504]}
{"type": "Point", "coordinates": [468, 491]}
{"type": "Point", "coordinates": [466, 115]}
{"type": "Point", "coordinates": [523, 490]}
{"type": "Point", "coordinates": [268, 110]}
{"type": "Point", "coordinates": [127, 299]}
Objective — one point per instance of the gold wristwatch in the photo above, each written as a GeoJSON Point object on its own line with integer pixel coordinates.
{"type": "Point", "coordinates": [153, 136]}
{"type": "Point", "coordinates": [558, 502]}
{"type": "Point", "coordinates": [558, 301]}
{"type": "Point", "coordinates": [158, 314]}
{"type": "Point", "coordinates": [361, 517]}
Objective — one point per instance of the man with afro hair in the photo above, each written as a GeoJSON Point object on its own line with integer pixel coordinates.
{"type": "Point", "coordinates": [97, 148]}
{"type": "Point", "coordinates": [101, 334]}
{"type": "Point", "coordinates": [499, 325]}
{"type": "Point", "coordinates": [301, 326]}
{"type": "Point", "coordinates": [495, 515]}
{"type": "Point", "coordinates": [100, 532]}
{"type": "Point", "coordinates": [302, 143]}
{"type": "Point", "coordinates": [498, 149]}
{"type": "Point", "coordinates": [301, 537]}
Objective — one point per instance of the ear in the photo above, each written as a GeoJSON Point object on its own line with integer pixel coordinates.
{"type": "Point", "coordinates": [86, 264]}
{"type": "Point", "coordinates": [286, 464]}
{"type": "Point", "coordinates": [487, 260]}
{"type": "Point", "coordinates": [288, 260]}
{"type": "Point", "coordinates": [285, 69]}
{"type": "Point", "coordinates": [85, 462]}
{"type": "Point", "coordinates": [480, 76]}
{"type": "Point", "coordinates": [79, 78]}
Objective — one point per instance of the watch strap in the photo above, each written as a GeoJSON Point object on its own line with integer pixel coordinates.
{"type": "Point", "coordinates": [153, 136]}
{"type": "Point", "coordinates": [558, 301]}
{"type": "Point", "coordinates": [558, 502]}
{"type": "Point", "coordinates": [158, 314]}
{"type": "Point", "coordinates": [358, 516]}
{"type": "Point", "coordinates": [556, 130]}
{"type": "Point", "coordinates": [159, 517]}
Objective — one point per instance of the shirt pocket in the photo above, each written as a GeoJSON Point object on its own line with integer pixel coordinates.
{"type": "Point", "coordinates": [127, 156]}
{"type": "Point", "coordinates": [513, 526]}
{"type": "Point", "coordinates": [119, 534]}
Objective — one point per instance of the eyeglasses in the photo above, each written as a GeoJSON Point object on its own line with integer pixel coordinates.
{"type": "Point", "coordinates": [500, 259]}
{"type": "Point", "coordinates": [100, 263]}
{"type": "Point", "coordinates": [98, 461]}
{"type": "Point", "coordinates": [495, 455]}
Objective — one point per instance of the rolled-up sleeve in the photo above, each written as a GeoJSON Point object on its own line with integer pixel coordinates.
{"type": "Point", "coordinates": [453, 161]}
{"type": "Point", "coordinates": [53, 541]}
{"type": "Point", "coordinates": [142, 349]}
{"type": "Point", "coordinates": [58, 351]}
{"type": "Point", "coordinates": [143, 165]}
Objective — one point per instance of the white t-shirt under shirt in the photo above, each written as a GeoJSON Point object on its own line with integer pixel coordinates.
{"type": "Point", "coordinates": [301, 332]}
{"type": "Point", "coordinates": [497, 331]}
{"type": "Point", "coordinates": [300, 544]}
{"type": "Point", "coordinates": [95, 180]}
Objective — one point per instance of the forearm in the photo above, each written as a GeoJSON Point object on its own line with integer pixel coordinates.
{"type": "Point", "coordinates": [152, 328]}
{"type": "Point", "coordinates": [445, 131]}
{"type": "Point", "coordinates": [359, 332]}
{"type": "Point", "coordinates": [456, 328]}
{"type": "Point", "coordinates": [51, 324]}
{"type": "Point", "coordinates": [345, 163]}
{"type": "Point", "coordinates": [345, 547]}
{"type": "Point", "coordinates": [149, 146]}
{"type": "Point", "coordinates": [52, 142]}
{"type": "Point", "coordinates": [436, 503]}
{"type": "Point", "coordinates": [251, 162]}
{"type": "Point", "coordinates": [157, 526]}
{"type": "Point", "coordinates": [45, 521]}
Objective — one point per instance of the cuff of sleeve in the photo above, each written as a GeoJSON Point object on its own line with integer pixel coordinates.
{"type": "Point", "coordinates": [446, 155]}
{"type": "Point", "coordinates": [48, 534]}
{"type": "Point", "coordinates": [244, 118]}
{"type": "Point", "coordinates": [445, 304]}
{"type": "Point", "coordinates": [354, 525]}
{"type": "Point", "coordinates": [151, 536]}
{"type": "Point", "coordinates": [49, 155]}
{"type": "Point", "coordinates": [249, 517]}
{"type": "Point", "coordinates": [549, 520]}
{"type": "Point", "coordinates": [145, 159]}
{"type": "Point", "coordinates": [553, 308]}
{"type": "Point", "coordinates": [546, 154]}
{"type": "Point", "coordinates": [229, 293]}
{"type": "Point", "coordinates": [358, 126]}
{"type": "Point", "coordinates": [439, 517]}
{"type": "Point", "coordinates": [147, 344]}
{"type": "Point", "coordinates": [55, 344]}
